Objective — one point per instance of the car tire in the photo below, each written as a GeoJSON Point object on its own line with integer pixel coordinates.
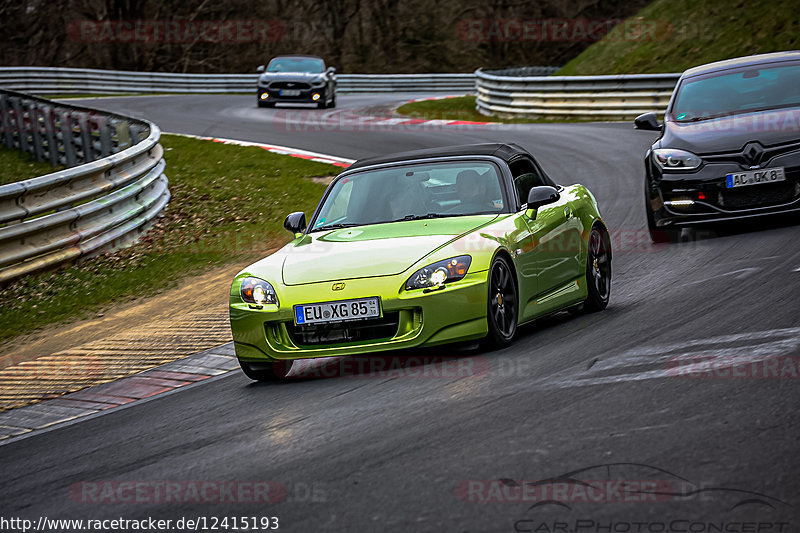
{"type": "Point", "coordinates": [577, 309]}
{"type": "Point", "coordinates": [598, 270]}
{"type": "Point", "coordinates": [658, 235]}
{"type": "Point", "coordinates": [661, 235]}
{"type": "Point", "coordinates": [268, 370]}
{"type": "Point", "coordinates": [502, 306]}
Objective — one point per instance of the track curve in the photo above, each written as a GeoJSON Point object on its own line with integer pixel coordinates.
{"type": "Point", "coordinates": [572, 392]}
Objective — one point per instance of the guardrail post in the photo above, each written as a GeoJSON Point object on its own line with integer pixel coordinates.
{"type": "Point", "coordinates": [136, 133]}
{"type": "Point", "coordinates": [36, 131]}
{"type": "Point", "coordinates": [49, 134]}
{"type": "Point", "coordinates": [106, 148]}
{"type": "Point", "coordinates": [70, 157]}
{"type": "Point", "coordinates": [7, 124]}
{"type": "Point", "coordinates": [86, 138]}
{"type": "Point", "coordinates": [22, 135]}
{"type": "Point", "coordinates": [123, 134]}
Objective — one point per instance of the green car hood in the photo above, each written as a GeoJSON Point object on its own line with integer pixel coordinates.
{"type": "Point", "coordinates": [367, 251]}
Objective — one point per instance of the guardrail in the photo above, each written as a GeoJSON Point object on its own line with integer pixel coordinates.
{"type": "Point", "coordinates": [47, 80]}
{"type": "Point", "coordinates": [520, 93]}
{"type": "Point", "coordinates": [108, 196]}
{"type": "Point", "coordinates": [376, 83]}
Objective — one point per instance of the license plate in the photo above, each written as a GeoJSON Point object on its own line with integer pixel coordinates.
{"type": "Point", "coordinates": [289, 92]}
{"type": "Point", "coordinates": [755, 177]}
{"type": "Point", "coordinates": [337, 311]}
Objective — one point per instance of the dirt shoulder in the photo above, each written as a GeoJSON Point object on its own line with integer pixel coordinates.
{"type": "Point", "coordinates": [209, 293]}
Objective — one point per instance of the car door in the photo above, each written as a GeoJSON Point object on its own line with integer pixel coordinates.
{"type": "Point", "coordinates": [554, 246]}
{"type": "Point", "coordinates": [554, 238]}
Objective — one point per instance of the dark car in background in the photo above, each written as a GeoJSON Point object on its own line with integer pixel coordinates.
{"type": "Point", "coordinates": [729, 146]}
{"type": "Point", "coordinates": [296, 79]}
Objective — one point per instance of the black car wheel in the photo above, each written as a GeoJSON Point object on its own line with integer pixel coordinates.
{"type": "Point", "coordinates": [502, 305]}
{"type": "Point", "coordinates": [267, 371]}
{"type": "Point", "coordinates": [660, 235]}
{"type": "Point", "coordinates": [598, 271]}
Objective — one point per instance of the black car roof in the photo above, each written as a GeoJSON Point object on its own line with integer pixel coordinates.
{"type": "Point", "coordinates": [506, 152]}
{"type": "Point", "coordinates": [760, 59]}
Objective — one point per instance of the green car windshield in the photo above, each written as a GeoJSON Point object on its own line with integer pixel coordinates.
{"type": "Point", "coordinates": [743, 91]}
{"type": "Point", "coordinates": [412, 192]}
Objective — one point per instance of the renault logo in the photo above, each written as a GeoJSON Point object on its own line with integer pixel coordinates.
{"type": "Point", "coordinates": [338, 286]}
{"type": "Point", "coordinates": [753, 154]}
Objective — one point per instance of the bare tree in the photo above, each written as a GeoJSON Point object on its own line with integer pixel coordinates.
{"type": "Point", "coordinates": [353, 35]}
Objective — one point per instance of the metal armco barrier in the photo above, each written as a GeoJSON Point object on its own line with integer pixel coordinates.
{"type": "Point", "coordinates": [376, 83]}
{"type": "Point", "coordinates": [108, 196]}
{"type": "Point", "coordinates": [46, 80]}
{"type": "Point", "coordinates": [519, 93]}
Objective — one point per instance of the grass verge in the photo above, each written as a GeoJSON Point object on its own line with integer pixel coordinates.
{"type": "Point", "coordinates": [81, 96]}
{"type": "Point", "coordinates": [678, 34]}
{"type": "Point", "coordinates": [84, 96]}
{"type": "Point", "coordinates": [228, 204]}
{"type": "Point", "coordinates": [18, 166]}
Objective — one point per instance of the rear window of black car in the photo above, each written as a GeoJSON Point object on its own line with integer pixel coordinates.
{"type": "Point", "coordinates": [753, 88]}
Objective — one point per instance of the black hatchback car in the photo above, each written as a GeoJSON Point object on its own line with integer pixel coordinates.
{"type": "Point", "coordinates": [296, 79]}
{"type": "Point", "coordinates": [729, 145]}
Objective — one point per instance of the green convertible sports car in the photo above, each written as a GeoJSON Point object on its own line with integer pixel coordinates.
{"type": "Point", "coordinates": [418, 249]}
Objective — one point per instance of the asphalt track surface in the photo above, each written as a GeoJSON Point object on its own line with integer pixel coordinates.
{"type": "Point", "coordinates": [397, 452]}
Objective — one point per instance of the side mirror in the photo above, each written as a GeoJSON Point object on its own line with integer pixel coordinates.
{"type": "Point", "coordinates": [647, 121]}
{"type": "Point", "coordinates": [542, 195]}
{"type": "Point", "coordinates": [261, 68]}
{"type": "Point", "coordinates": [331, 70]}
{"type": "Point", "coordinates": [295, 222]}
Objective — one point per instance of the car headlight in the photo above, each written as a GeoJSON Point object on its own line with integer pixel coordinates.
{"type": "Point", "coordinates": [437, 274]}
{"type": "Point", "coordinates": [673, 159]}
{"type": "Point", "coordinates": [257, 291]}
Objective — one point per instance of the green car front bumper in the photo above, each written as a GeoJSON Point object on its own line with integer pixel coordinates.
{"type": "Point", "coordinates": [456, 312]}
